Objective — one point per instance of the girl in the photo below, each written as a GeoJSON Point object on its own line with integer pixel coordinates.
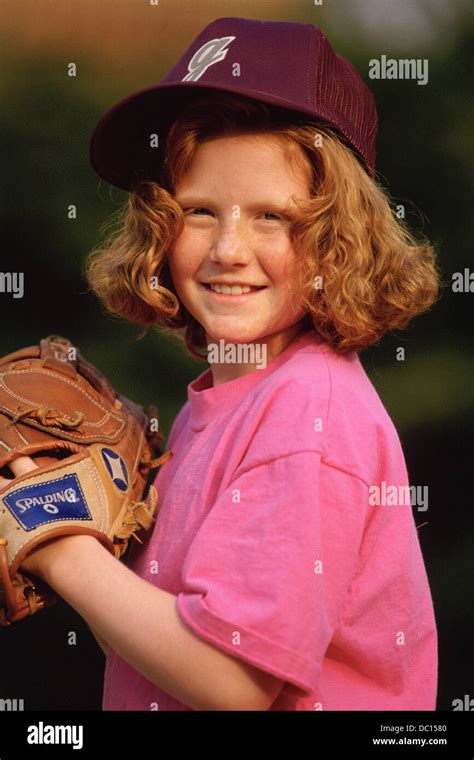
{"type": "Point", "coordinates": [277, 576]}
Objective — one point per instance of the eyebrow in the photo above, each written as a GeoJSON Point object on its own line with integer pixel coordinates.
{"type": "Point", "coordinates": [198, 201]}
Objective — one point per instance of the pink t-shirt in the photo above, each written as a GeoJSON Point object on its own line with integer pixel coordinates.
{"type": "Point", "coordinates": [268, 536]}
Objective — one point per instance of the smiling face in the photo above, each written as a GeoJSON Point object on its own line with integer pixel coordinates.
{"type": "Point", "coordinates": [237, 198]}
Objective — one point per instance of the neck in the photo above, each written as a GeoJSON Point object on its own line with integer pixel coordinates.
{"type": "Point", "coordinates": [230, 361]}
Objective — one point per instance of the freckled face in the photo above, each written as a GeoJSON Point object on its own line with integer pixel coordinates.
{"type": "Point", "coordinates": [237, 197]}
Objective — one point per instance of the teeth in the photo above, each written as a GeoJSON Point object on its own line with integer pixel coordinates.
{"type": "Point", "coordinates": [235, 290]}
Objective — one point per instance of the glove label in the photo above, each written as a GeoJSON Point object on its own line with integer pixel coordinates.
{"type": "Point", "coordinates": [116, 468]}
{"type": "Point", "coordinates": [51, 501]}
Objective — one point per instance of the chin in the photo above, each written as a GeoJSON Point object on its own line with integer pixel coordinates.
{"type": "Point", "coordinates": [235, 335]}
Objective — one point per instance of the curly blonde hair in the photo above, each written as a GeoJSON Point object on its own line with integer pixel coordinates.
{"type": "Point", "coordinates": [375, 275]}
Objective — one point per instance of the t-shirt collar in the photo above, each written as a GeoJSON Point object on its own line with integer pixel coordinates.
{"type": "Point", "coordinates": [209, 403]}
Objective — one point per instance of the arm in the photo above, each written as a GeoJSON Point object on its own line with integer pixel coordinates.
{"type": "Point", "coordinates": [141, 623]}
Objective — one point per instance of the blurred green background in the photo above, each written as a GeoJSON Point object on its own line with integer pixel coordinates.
{"type": "Point", "coordinates": [425, 157]}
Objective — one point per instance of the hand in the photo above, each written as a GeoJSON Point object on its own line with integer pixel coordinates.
{"type": "Point", "coordinates": [19, 466]}
{"type": "Point", "coordinates": [35, 562]}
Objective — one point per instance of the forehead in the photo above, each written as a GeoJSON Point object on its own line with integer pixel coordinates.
{"type": "Point", "coordinates": [248, 158]}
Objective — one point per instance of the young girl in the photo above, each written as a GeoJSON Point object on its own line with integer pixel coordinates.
{"type": "Point", "coordinates": [276, 577]}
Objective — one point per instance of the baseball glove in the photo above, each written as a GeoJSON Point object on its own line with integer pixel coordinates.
{"type": "Point", "coordinates": [96, 459]}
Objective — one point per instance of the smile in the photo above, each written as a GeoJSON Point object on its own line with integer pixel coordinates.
{"type": "Point", "coordinates": [234, 291]}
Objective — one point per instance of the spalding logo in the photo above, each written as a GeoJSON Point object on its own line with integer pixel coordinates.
{"type": "Point", "coordinates": [47, 501]}
{"type": "Point", "coordinates": [51, 501]}
{"type": "Point", "coordinates": [116, 468]}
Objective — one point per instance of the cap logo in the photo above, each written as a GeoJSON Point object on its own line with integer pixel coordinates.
{"type": "Point", "coordinates": [208, 54]}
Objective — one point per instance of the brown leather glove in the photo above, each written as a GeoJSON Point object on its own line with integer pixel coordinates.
{"type": "Point", "coordinates": [97, 462]}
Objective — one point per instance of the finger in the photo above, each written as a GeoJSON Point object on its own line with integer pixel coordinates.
{"type": "Point", "coordinates": [20, 465]}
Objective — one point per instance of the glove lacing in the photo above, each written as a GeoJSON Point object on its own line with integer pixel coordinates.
{"type": "Point", "coordinates": [47, 415]}
{"type": "Point", "coordinates": [139, 515]}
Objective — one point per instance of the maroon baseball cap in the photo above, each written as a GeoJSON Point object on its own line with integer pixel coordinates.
{"type": "Point", "coordinates": [288, 65]}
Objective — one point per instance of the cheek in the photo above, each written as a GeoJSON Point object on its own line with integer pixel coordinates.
{"type": "Point", "coordinates": [182, 259]}
{"type": "Point", "coordinates": [279, 262]}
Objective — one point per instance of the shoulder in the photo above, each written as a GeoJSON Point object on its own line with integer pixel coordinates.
{"type": "Point", "coordinates": [325, 402]}
{"type": "Point", "coordinates": [361, 436]}
{"type": "Point", "coordinates": [282, 416]}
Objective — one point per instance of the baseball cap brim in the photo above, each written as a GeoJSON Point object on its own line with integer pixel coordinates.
{"type": "Point", "coordinates": [120, 150]}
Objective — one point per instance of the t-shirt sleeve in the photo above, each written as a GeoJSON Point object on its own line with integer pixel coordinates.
{"type": "Point", "coordinates": [252, 584]}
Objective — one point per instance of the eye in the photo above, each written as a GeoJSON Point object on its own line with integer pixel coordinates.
{"type": "Point", "coordinates": [202, 211]}
{"type": "Point", "coordinates": [277, 217]}
{"type": "Point", "coordinates": [195, 210]}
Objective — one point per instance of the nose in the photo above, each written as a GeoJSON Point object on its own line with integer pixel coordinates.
{"type": "Point", "coordinates": [230, 245]}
